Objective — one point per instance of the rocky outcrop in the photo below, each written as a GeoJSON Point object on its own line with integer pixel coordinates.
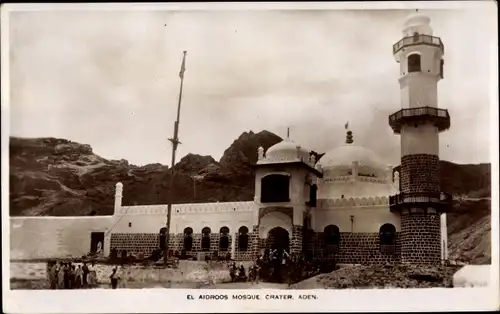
{"type": "Point", "coordinates": [238, 158]}
{"type": "Point", "coordinates": [383, 276]}
{"type": "Point", "coordinates": [192, 164]}
{"type": "Point", "coordinates": [469, 231]}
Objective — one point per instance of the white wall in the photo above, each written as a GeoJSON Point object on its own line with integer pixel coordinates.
{"type": "Point", "coordinates": [444, 238]}
{"type": "Point", "coordinates": [366, 219]}
{"type": "Point", "coordinates": [297, 180]}
{"type": "Point", "coordinates": [353, 189]}
{"type": "Point", "coordinates": [423, 139]}
{"type": "Point", "coordinates": [420, 89]}
{"type": "Point", "coordinates": [272, 220]}
{"type": "Point", "coordinates": [299, 192]}
{"type": "Point", "coordinates": [150, 218]}
{"type": "Point", "coordinates": [55, 237]}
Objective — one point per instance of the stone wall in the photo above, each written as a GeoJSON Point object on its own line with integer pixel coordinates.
{"type": "Point", "coordinates": [297, 239]}
{"type": "Point", "coordinates": [135, 243]}
{"type": "Point", "coordinates": [420, 173]}
{"type": "Point", "coordinates": [146, 243]}
{"type": "Point", "coordinates": [420, 234]}
{"type": "Point", "coordinates": [354, 248]}
{"type": "Point", "coordinates": [421, 238]}
{"type": "Point", "coordinates": [240, 255]}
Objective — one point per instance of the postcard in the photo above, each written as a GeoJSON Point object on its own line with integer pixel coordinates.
{"type": "Point", "coordinates": [250, 157]}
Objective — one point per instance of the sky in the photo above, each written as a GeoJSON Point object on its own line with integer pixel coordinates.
{"type": "Point", "coordinates": [111, 79]}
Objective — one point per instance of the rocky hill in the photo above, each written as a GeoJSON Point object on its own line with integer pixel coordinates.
{"type": "Point", "coordinates": [57, 177]}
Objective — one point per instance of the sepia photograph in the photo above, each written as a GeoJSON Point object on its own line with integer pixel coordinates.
{"type": "Point", "coordinates": [260, 154]}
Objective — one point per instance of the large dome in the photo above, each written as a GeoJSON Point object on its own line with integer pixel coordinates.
{"type": "Point", "coordinates": [344, 156]}
{"type": "Point", "coordinates": [287, 150]}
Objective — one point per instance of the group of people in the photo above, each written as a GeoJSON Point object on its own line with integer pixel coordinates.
{"type": "Point", "coordinates": [66, 275]}
{"type": "Point", "coordinates": [274, 265]}
{"type": "Point", "coordinates": [237, 273]}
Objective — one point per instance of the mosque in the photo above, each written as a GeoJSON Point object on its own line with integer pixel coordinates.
{"type": "Point", "coordinates": [348, 205]}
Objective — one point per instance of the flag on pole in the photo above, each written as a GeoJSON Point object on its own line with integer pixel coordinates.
{"type": "Point", "coordinates": [183, 66]}
{"type": "Point", "coordinates": [347, 125]}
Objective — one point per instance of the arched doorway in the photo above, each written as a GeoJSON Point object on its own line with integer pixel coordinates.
{"type": "Point", "coordinates": [278, 238]}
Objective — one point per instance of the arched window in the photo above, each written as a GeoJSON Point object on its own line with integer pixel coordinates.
{"type": "Point", "coordinates": [275, 188]}
{"type": "Point", "coordinates": [332, 235]}
{"type": "Point", "coordinates": [224, 239]}
{"type": "Point", "coordinates": [205, 239]}
{"type": "Point", "coordinates": [387, 236]}
{"type": "Point", "coordinates": [188, 239]}
{"type": "Point", "coordinates": [414, 63]}
{"type": "Point", "coordinates": [441, 68]}
{"type": "Point", "coordinates": [313, 190]}
{"type": "Point", "coordinates": [243, 238]}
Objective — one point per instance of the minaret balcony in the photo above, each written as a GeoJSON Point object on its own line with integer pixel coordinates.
{"type": "Point", "coordinates": [418, 40]}
{"type": "Point", "coordinates": [440, 201]}
{"type": "Point", "coordinates": [439, 117]}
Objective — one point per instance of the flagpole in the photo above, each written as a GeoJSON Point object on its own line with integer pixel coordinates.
{"type": "Point", "coordinates": [175, 143]}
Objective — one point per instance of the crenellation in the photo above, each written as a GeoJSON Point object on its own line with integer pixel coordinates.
{"type": "Point", "coordinates": [352, 202]}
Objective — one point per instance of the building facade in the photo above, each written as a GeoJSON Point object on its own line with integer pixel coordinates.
{"type": "Point", "coordinates": [349, 205]}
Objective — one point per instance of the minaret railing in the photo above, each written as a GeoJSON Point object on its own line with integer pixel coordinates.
{"type": "Point", "coordinates": [414, 198]}
{"type": "Point", "coordinates": [418, 40]}
{"type": "Point", "coordinates": [441, 117]}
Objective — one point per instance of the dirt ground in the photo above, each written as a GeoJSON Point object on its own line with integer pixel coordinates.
{"type": "Point", "coordinates": [201, 275]}
{"type": "Point", "coordinates": [189, 274]}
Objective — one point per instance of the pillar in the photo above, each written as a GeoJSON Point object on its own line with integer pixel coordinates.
{"type": "Point", "coordinates": [354, 168]}
{"type": "Point", "coordinates": [444, 238]}
{"type": "Point", "coordinates": [118, 197]}
{"type": "Point", "coordinates": [254, 242]}
{"type": "Point", "coordinates": [233, 246]}
{"type": "Point", "coordinates": [297, 239]}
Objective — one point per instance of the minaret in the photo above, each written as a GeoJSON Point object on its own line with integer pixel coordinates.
{"type": "Point", "coordinates": [419, 122]}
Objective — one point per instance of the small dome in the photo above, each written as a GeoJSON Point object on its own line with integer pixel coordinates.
{"type": "Point", "coordinates": [417, 23]}
{"type": "Point", "coordinates": [417, 19]}
{"type": "Point", "coordinates": [287, 150]}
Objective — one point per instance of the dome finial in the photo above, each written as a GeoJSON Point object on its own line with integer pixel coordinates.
{"type": "Point", "coordinates": [349, 138]}
{"type": "Point", "coordinates": [288, 133]}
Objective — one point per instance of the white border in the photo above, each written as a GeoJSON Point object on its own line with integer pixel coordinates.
{"type": "Point", "coordinates": [175, 300]}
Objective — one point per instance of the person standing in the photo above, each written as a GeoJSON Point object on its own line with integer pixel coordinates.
{"type": "Point", "coordinates": [114, 279]}
{"type": "Point", "coordinates": [72, 276]}
{"type": "Point", "coordinates": [85, 274]}
{"type": "Point", "coordinates": [53, 275]}
{"type": "Point", "coordinates": [60, 277]}
{"type": "Point", "coordinates": [66, 276]}
{"type": "Point", "coordinates": [79, 277]}
{"type": "Point", "coordinates": [92, 275]}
